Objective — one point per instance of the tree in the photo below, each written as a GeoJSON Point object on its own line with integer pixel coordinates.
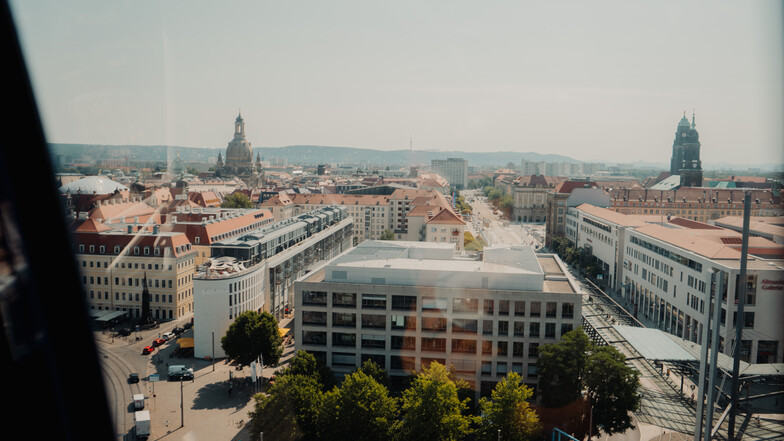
{"type": "Point", "coordinates": [236, 200]}
{"type": "Point", "coordinates": [253, 334]}
{"type": "Point", "coordinates": [508, 411]}
{"type": "Point", "coordinates": [290, 410]}
{"type": "Point", "coordinates": [370, 368]}
{"type": "Point", "coordinates": [613, 388]}
{"type": "Point", "coordinates": [305, 364]}
{"type": "Point", "coordinates": [561, 368]}
{"type": "Point", "coordinates": [431, 408]}
{"type": "Point", "coordinates": [360, 409]}
{"type": "Point", "coordinates": [387, 235]}
{"type": "Point", "coordinates": [575, 365]}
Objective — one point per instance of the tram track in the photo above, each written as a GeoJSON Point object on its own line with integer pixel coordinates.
{"type": "Point", "coordinates": [119, 391]}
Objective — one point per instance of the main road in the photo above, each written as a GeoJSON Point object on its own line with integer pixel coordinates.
{"type": "Point", "coordinates": [496, 231]}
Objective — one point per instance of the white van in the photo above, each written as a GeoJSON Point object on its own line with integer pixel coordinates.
{"type": "Point", "coordinates": [179, 371]}
{"type": "Point", "coordinates": [168, 336]}
{"type": "Point", "coordinates": [138, 401]}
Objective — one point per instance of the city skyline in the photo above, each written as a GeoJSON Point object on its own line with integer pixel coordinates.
{"type": "Point", "coordinates": [594, 82]}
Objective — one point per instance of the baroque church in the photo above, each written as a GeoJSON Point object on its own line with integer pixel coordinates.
{"type": "Point", "coordinates": [686, 154]}
{"type": "Point", "coordinates": [239, 158]}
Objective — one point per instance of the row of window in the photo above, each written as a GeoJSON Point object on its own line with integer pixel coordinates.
{"type": "Point", "coordinates": [434, 324]}
{"type": "Point", "coordinates": [458, 346]}
{"type": "Point", "coordinates": [379, 301]}
{"type": "Point", "coordinates": [131, 297]}
{"type": "Point", "coordinates": [137, 251]}
{"type": "Point", "coordinates": [518, 350]}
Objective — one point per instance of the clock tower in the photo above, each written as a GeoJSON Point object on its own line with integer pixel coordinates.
{"type": "Point", "coordinates": [686, 154]}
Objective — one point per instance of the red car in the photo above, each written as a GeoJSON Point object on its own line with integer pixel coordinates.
{"type": "Point", "coordinates": [148, 350]}
{"type": "Point", "coordinates": [158, 342]}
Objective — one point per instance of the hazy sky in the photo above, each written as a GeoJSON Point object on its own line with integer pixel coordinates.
{"type": "Point", "coordinates": [594, 80]}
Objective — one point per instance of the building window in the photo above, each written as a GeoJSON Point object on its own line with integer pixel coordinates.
{"type": "Point", "coordinates": [536, 309]}
{"type": "Point", "coordinates": [344, 339]}
{"type": "Point", "coordinates": [463, 346]}
{"type": "Point", "coordinates": [549, 330]}
{"type": "Point", "coordinates": [402, 342]}
{"type": "Point", "coordinates": [374, 321]}
{"type": "Point", "coordinates": [434, 324]}
{"type": "Point", "coordinates": [552, 310]}
{"type": "Point", "coordinates": [503, 307]}
{"type": "Point", "coordinates": [519, 329]}
{"type": "Point", "coordinates": [533, 330]}
{"type": "Point", "coordinates": [433, 304]}
{"type": "Point", "coordinates": [314, 338]}
{"type": "Point", "coordinates": [406, 303]}
{"type": "Point", "coordinates": [503, 327]}
{"type": "Point", "coordinates": [344, 300]}
{"type": "Point", "coordinates": [374, 342]}
{"type": "Point", "coordinates": [403, 322]}
{"type": "Point", "coordinates": [567, 310]}
{"type": "Point", "coordinates": [519, 309]}
{"type": "Point", "coordinates": [344, 319]}
{"type": "Point", "coordinates": [502, 348]}
{"type": "Point", "coordinates": [464, 325]}
{"type": "Point", "coordinates": [313, 298]}
{"type": "Point", "coordinates": [374, 301]}
{"type": "Point", "coordinates": [434, 344]}
{"type": "Point", "coordinates": [533, 350]}
{"type": "Point", "coordinates": [488, 307]}
{"type": "Point", "coordinates": [465, 305]}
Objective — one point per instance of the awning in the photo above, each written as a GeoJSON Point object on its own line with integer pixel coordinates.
{"type": "Point", "coordinates": [105, 316]}
{"type": "Point", "coordinates": [283, 331]}
{"type": "Point", "coordinates": [654, 344]}
{"type": "Point", "coordinates": [185, 342]}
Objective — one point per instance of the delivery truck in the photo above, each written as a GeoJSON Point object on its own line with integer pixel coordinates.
{"type": "Point", "coordinates": [141, 425]}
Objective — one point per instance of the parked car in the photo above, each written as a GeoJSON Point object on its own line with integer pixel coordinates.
{"type": "Point", "coordinates": [124, 332]}
{"type": "Point", "coordinates": [167, 336]}
{"type": "Point", "coordinates": [133, 378]}
{"type": "Point", "coordinates": [158, 341]}
{"type": "Point", "coordinates": [148, 350]}
{"type": "Point", "coordinates": [178, 330]}
{"type": "Point", "coordinates": [188, 325]}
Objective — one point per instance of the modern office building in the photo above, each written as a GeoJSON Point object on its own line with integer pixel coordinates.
{"type": "Point", "coordinates": [256, 271]}
{"type": "Point", "coordinates": [406, 304]}
{"type": "Point", "coordinates": [454, 170]}
{"type": "Point", "coordinates": [665, 268]}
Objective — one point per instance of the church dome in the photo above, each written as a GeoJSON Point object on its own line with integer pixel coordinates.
{"type": "Point", "coordinates": [239, 152]}
{"type": "Point", "coordinates": [92, 185]}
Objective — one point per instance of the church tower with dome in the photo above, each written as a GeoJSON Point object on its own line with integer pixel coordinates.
{"type": "Point", "coordinates": [685, 159]}
{"type": "Point", "coordinates": [239, 157]}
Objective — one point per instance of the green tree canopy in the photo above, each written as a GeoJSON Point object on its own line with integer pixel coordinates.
{"type": "Point", "coordinates": [613, 388]}
{"type": "Point", "coordinates": [305, 364]}
{"type": "Point", "coordinates": [290, 410]}
{"type": "Point", "coordinates": [575, 365]}
{"type": "Point", "coordinates": [508, 411]}
{"type": "Point", "coordinates": [360, 409]}
{"type": "Point", "coordinates": [387, 235]}
{"type": "Point", "coordinates": [236, 200]}
{"type": "Point", "coordinates": [431, 409]}
{"type": "Point", "coordinates": [253, 334]}
{"type": "Point", "coordinates": [561, 368]}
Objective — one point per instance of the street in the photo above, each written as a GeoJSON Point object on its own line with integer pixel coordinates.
{"type": "Point", "coordinates": [216, 402]}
